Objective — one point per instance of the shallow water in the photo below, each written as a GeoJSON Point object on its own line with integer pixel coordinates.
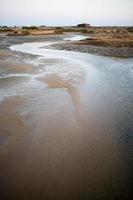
{"type": "Point", "coordinates": [76, 38]}
{"type": "Point", "coordinates": [78, 109]}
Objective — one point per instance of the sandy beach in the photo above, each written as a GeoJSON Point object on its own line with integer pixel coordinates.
{"type": "Point", "coordinates": [65, 130]}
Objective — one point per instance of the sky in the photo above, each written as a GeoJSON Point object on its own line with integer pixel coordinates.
{"type": "Point", "coordinates": [66, 12]}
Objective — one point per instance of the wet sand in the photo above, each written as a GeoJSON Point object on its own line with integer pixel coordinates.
{"type": "Point", "coordinates": [50, 151]}
{"type": "Point", "coordinates": [59, 142]}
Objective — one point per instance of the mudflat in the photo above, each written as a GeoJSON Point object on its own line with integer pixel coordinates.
{"type": "Point", "coordinates": [63, 137]}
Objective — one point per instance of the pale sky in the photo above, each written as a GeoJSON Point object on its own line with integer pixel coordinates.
{"type": "Point", "coordinates": [66, 12]}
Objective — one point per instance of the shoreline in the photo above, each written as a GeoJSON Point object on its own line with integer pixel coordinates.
{"type": "Point", "coordinates": [122, 52]}
{"type": "Point", "coordinates": [105, 41]}
{"type": "Point", "coordinates": [81, 46]}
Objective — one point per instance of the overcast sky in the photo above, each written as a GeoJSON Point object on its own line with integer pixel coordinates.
{"type": "Point", "coordinates": [66, 12]}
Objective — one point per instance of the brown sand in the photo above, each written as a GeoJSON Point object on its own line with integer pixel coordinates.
{"type": "Point", "coordinates": [53, 156]}
{"type": "Point", "coordinates": [50, 151]}
{"type": "Point", "coordinates": [52, 146]}
{"type": "Point", "coordinates": [17, 67]}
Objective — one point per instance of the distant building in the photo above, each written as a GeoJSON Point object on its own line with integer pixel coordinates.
{"type": "Point", "coordinates": [84, 25]}
{"type": "Point", "coordinates": [42, 26]}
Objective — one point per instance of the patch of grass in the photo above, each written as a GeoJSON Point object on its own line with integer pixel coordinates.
{"type": "Point", "coordinates": [25, 32]}
{"type": "Point", "coordinates": [6, 29]}
{"type": "Point", "coordinates": [84, 30]}
{"type": "Point", "coordinates": [30, 27]}
{"type": "Point", "coordinates": [87, 31]}
{"type": "Point", "coordinates": [59, 30]}
{"type": "Point", "coordinates": [107, 43]}
{"type": "Point", "coordinates": [69, 30]}
{"type": "Point", "coordinates": [90, 31]}
{"type": "Point", "coordinates": [130, 29]}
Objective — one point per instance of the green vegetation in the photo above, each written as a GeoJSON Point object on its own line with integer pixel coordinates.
{"type": "Point", "coordinates": [87, 31]}
{"type": "Point", "coordinates": [25, 32]}
{"type": "Point", "coordinates": [68, 29]}
{"type": "Point", "coordinates": [5, 28]}
{"type": "Point", "coordinates": [90, 31]}
{"type": "Point", "coordinates": [84, 30]}
{"type": "Point", "coordinates": [108, 42]}
{"type": "Point", "coordinates": [71, 30]}
{"type": "Point", "coordinates": [30, 27]}
{"type": "Point", "coordinates": [130, 29]}
{"type": "Point", "coordinates": [59, 30]}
